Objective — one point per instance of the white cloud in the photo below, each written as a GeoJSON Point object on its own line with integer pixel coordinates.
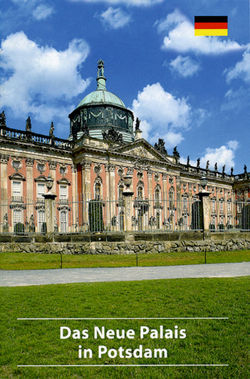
{"type": "Point", "coordinates": [40, 80]}
{"type": "Point", "coordinates": [223, 155]}
{"type": "Point", "coordinates": [125, 2]}
{"type": "Point", "coordinates": [181, 37]}
{"type": "Point", "coordinates": [42, 11]}
{"type": "Point", "coordinates": [185, 66]}
{"type": "Point", "coordinates": [236, 100]}
{"type": "Point", "coordinates": [241, 69]}
{"type": "Point", "coordinates": [161, 114]}
{"type": "Point", "coordinates": [115, 18]}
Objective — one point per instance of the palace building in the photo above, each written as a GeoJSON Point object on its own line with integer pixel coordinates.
{"type": "Point", "coordinates": [103, 157]}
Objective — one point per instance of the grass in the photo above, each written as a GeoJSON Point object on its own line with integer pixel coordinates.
{"type": "Point", "coordinates": [208, 341]}
{"type": "Point", "coordinates": [30, 261]}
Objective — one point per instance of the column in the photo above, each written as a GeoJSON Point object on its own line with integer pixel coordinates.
{"type": "Point", "coordinates": [50, 211]}
{"type": "Point", "coordinates": [4, 216]}
{"type": "Point", "coordinates": [29, 183]}
{"type": "Point", "coordinates": [205, 210]}
{"type": "Point", "coordinates": [127, 194]}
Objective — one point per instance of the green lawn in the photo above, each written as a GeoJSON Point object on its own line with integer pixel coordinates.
{"type": "Point", "coordinates": [207, 341]}
{"type": "Point", "coordinates": [29, 261]}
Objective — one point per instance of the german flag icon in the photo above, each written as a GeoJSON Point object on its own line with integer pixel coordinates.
{"type": "Point", "coordinates": [210, 26]}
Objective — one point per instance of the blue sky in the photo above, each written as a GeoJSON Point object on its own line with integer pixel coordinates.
{"type": "Point", "coordinates": [192, 91]}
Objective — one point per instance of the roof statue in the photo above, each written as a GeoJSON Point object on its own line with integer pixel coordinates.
{"type": "Point", "coordinates": [198, 163]}
{"type": "Point", "coordinates": [137, 124]}
{"type": "Point", "coordinates": [223, 169]}
{"type": "Point", "coordinates": [52, 128]}
{"type": "Point", "coordinates": [188, 160]}
{"type": "Point", "coordinates": [160, 146]}
{"type": "Point", "coordinates": [245, 169]}
{"type": "Point", "coordinates": [232, 171]}
{"type": "Point", "coordinates": [2, 119]}
{"type": "Point", "coordinates": [28, 124]}
{"type": "Point", "coordinates": [207, 165]}
{"type": "Point", "coordinates": [175, 152]}
{"type": "Point", "coordinates": [215, 166]}
{"type": "Point", "coordinates": [112, 136]}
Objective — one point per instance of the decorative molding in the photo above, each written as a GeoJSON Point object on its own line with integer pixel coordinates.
{"type": "Point", "coordinates": [17, 176]}
{"type": "Point", "coordinates": [29, 162]}
{"type": "Point", "coordinates": [52, 165]}
{"type": "Point", "coordinates": [64, 181]}
{"type": "Point", "coordinates": [4, 158]}
{"type": "Point", "coordinates": [41, 178]}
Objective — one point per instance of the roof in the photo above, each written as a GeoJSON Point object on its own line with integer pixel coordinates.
{"type": "Point", "coordinates": [101, 97]}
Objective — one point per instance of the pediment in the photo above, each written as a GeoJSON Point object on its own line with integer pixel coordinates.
{"type": "Point", "coordinates": [142, 149]}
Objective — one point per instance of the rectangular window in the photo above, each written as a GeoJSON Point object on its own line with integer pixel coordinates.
{"type": "Point", "coordinates": [16, 188]}
{"type": "Point", "coordinates": [63, 192]}
{"type": "Point", "coordinates": [40, 220]}
{"type": "Point", "coordinates": [40, 190]}
{"type": "Point", "coordinates": [229, 206]}
{"type": "Point", "coordinates": [221, 206]}
{"type": "Point", "coordinates": [17, 216]}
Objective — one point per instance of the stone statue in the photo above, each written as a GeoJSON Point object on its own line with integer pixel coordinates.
{"type": "Point", "coordinates": [223, 170]}
{"type": "Point", "coordinates": [2, 120]}
{"type": "Point", "coordinates": [51, 131]}
{"type": "Point", "coordinates": [245, 169]}
{"type": "Point", "coordinates": [28, 124]}
{"type": "Point", "coordinates": [5, 223]}
{"type": "Point", "coordinates": [175, 152]}
{"type": "Point", "coordinates": [112, 136]}
{"type": "Point", "coordinates": [215, 166]}
{"type": "Point", "coordinates": [207, 165]}
{"type": "Point", "coordinates": [137, 124]}
{"type": "Point", "coordinates": [232, 171]}
{"type": "Point", "coordinates": [198, 163]}
{"type": "Point", "coordinates": [160, 146]}
{"type": "Point", "coordinates": [188, 161]}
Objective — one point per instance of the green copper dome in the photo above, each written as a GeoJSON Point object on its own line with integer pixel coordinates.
{"type": "Point", "coordinates": [101, 113]}
{"type": "Point", "coordinates": [101, 97]}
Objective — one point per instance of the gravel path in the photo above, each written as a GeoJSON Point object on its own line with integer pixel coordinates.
{"type": "Point", "coordinates": [83, 275]}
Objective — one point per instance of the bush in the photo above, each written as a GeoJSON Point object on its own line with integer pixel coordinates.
{"type": "Point", "coordinates": [19, 228]}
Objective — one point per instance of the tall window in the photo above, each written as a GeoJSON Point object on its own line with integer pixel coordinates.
{"type": "Point", "coordinates": [221, 206]}
{"type": "Point", "coordinates": [158, 220]}
{"type": "Point", "coordinates": [63, 192]}
{"type": "Point", "coordinates": [157, 194]}
{"type": "Point", "coordinates": [120, 191]}
{"type": "Point", "coordinates": [171, 198]}
{"type": "Point", "coordinates": [16, 190]}
{"type": "Point", "coordinates": [63, 221]}
{"type": "Point", "coordinates": [185, 203]}
{"type": "Point", "coordinates": [17, 216]}
{"type": "Point", "coordinates": [97, 190]}
{"type": "Point", "coordinates": [40, 220]}
{"type": "Point", "coordinates": [40, 190]}
{"type": "Point", "coordinates": [140, 191]}
{"type": "Point", "coordinates": [229, 206]}
{"type": "Point", "coordinates": [213, 205]}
